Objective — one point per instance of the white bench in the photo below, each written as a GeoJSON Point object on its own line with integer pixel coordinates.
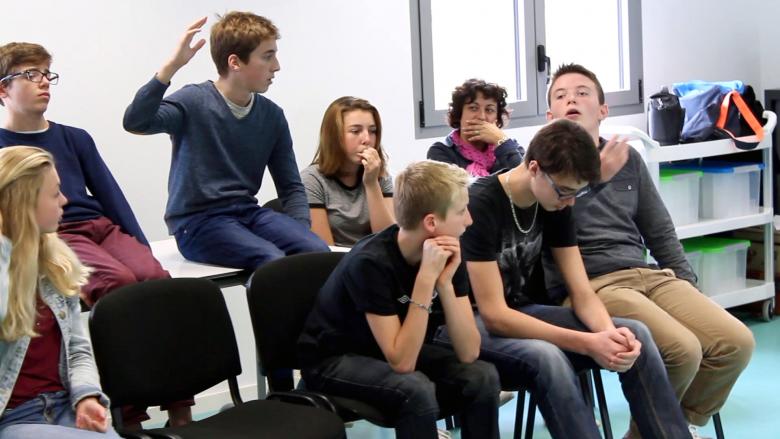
{"type": "Point", "coordinates": [168, 254]}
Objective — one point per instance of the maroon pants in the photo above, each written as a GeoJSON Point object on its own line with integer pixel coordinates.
{"type": "Point", "coordinates": [117, 259]}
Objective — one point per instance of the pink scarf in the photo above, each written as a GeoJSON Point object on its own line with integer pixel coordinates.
{"type": "Point", "coordinates": [481, 161]}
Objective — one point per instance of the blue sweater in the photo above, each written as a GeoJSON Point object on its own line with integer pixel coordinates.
{"type": "Point", "coordinates": [218, 160]}
{"type": "Point", "coordinates": [81, 168]}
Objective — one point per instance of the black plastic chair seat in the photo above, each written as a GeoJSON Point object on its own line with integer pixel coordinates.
{"type": "Point", "coordinates": [253, 419]}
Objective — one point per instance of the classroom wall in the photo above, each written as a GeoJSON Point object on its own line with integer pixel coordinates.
{"type": "Point", "coordinates": [105, 50]}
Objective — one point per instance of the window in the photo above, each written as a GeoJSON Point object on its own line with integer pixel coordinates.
{"type": "Point", "coordinates": [518, 44]}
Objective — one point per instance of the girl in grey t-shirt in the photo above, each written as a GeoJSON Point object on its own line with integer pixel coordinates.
{"type": "Point", "coordinates": [349, 189]}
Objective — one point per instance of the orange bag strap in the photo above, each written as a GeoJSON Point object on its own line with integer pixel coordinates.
{"type": "Point", "coordinates": [734, 96]}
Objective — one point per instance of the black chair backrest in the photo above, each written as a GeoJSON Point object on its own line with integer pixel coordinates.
{"type": "Point", "coordinates": [163, 340]}
{"type": "Point", "coordinates": [275, 204]}
{"type": "Point", "coordinates": [281, 294]}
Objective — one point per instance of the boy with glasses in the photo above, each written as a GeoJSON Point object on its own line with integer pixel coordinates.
{"type": "Point", "coordinates": [225, 134]}
{"type": "Point", "coordinates": [704, 347]}
{"type": "Point", "coordinates": [97, 223]}
{"type": "Point", "coordinates": [541, 347]}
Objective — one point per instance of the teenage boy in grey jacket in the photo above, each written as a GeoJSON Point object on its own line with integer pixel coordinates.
{"type": "Point", "coordinates": [704, 347]}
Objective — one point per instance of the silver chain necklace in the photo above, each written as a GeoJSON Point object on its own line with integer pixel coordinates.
{"type": "Point", "coordinates": [512, 207]}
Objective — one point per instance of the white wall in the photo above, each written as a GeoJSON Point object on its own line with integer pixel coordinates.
{"type": "Point", "coordinates": [106, 50]}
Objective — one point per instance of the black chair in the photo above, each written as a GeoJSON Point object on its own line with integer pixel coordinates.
{"type": "Point", "coordinates": [586, 383]}
{"type": "Point", "coordinates": [275, 205]}
{"type": "Point", "coordinates": [281, 294]}
{"type": "Point", "coordinates": [166, 340]}
{"type": "Point", "coordinates": [718, 426]}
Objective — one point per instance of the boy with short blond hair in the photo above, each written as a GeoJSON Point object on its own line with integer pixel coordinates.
{"type": "Point", "coordinates": [369, 335]}
{"type": "Point", "coordinates": [224, 135]}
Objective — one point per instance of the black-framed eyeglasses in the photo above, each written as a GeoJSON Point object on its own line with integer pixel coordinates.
{"type": "Point", "coordinates": [34, 75]}
{"type": "Point", "coordinates": [565, 195]}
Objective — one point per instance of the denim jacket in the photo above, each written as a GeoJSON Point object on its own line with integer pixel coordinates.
{"type": "Point", "coordinates": [77, 367]}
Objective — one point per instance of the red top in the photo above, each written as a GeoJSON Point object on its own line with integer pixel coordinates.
{"type": "Point", "coordinates": [41, 367]}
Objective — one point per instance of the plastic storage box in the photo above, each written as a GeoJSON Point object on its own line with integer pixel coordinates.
{"type": "Point", "coordinates": [722, 265]}
{"type": "Point", "coordinates": [679, 189]}
{"type": "Point", "coordinates": [728, 189]}
{"type": "Point", "coordinates": [694, 258]}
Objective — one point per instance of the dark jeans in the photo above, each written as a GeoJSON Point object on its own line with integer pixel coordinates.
{"type": "Point", "coordinates": [413, 398]}
{"type": "Point", "coordinates": [551, 375]}
{"type": "Point", "coordinates": [244, 237]}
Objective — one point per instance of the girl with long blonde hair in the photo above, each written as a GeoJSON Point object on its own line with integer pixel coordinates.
{"type": "Point", "coordinates": [49, 385]}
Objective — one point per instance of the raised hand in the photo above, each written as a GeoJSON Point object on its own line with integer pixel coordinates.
{"type": "Point", "coordinates": [184, 51]}
{"type": "Point", "coordinates": [481, 131]}
{"type": "Point", "coordinates": [613, 156]}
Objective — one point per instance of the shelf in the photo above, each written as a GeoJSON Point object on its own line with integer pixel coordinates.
{"type": "Point", "coordinates": [652, 152]}
{"type": "Point", "coordinates": [756, 290]}
{"type": "Point", "coordinates": [708, 227]}
{"type": "Point", "coordinates": [699, 150]}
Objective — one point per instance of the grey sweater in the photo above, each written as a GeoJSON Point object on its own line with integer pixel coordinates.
{"type": "Point", "coordinates": [617, 220]}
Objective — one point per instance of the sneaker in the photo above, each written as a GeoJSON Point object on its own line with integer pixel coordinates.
{"type": "Point", "coordinates": [505, 397]}
{"type": "Point", "coordinates": [444, 434]}
{"type": "Point", "coordinates": [695, 432]}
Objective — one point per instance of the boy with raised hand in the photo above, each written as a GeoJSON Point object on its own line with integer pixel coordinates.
{"type": "Point", "coordinates": [704, 347]}
{"type": "Point", "coordinates": [224, 135]}
{"type": "Point", "coordinates": [541, 347]}
{"type": "Point", "coordinates": [369, 335]}
{"type": "Point", "coordinates": [98, 223]}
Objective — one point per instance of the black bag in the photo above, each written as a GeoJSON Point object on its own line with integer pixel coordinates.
{"type": "Point", "coordinates": [665, 117]}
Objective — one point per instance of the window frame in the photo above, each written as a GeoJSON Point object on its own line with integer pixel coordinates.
{"type": "Point", "coordinates": [430, 122]}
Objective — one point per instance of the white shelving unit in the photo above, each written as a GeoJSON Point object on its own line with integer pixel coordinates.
{"type": "Point", "coordinates": [654, 155]}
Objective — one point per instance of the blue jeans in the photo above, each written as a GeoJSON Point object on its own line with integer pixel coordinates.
{"type": "Point", "coordinates": [551, 375]}
{"type": "Point", "coordinates": [47, 416]}
{"type": "Point", "coordinates": [244, 237]}
{"type": "Point", "coordinates": [412, 399]}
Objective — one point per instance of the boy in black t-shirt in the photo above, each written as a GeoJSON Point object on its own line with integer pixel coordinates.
{"type": "Point", "coordinates": [540, 347]}
{"type": "Point", "coordinates": [368, 335]}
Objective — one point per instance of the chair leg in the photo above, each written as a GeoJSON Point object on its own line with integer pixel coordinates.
{"type": "Point", "coordinates": [449, 423]}
{"type": "Point", "coordinates": [519, 414]}
{"type": "Point", "coordinates": [262, 390]}
{"type": "Point", "coordinates": [529, 429]}
{"type": "Point", "coordinates": [605, 424]}
{"type": "Point", "coordinates": [586, 383]}
{"type": "Point", "coordinates": [718, 426]}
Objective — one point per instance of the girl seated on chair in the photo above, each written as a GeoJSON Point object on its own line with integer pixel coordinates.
{"type": "Point", "coordinates": [349, 189]}
{"type": "Point", "coordinates": [49, 385]}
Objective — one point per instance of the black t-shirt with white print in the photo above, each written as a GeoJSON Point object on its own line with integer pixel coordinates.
{"type": "Point", "coordinates": [494, 236]}
{"type": "Point", "coordinates": [372, 278]}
